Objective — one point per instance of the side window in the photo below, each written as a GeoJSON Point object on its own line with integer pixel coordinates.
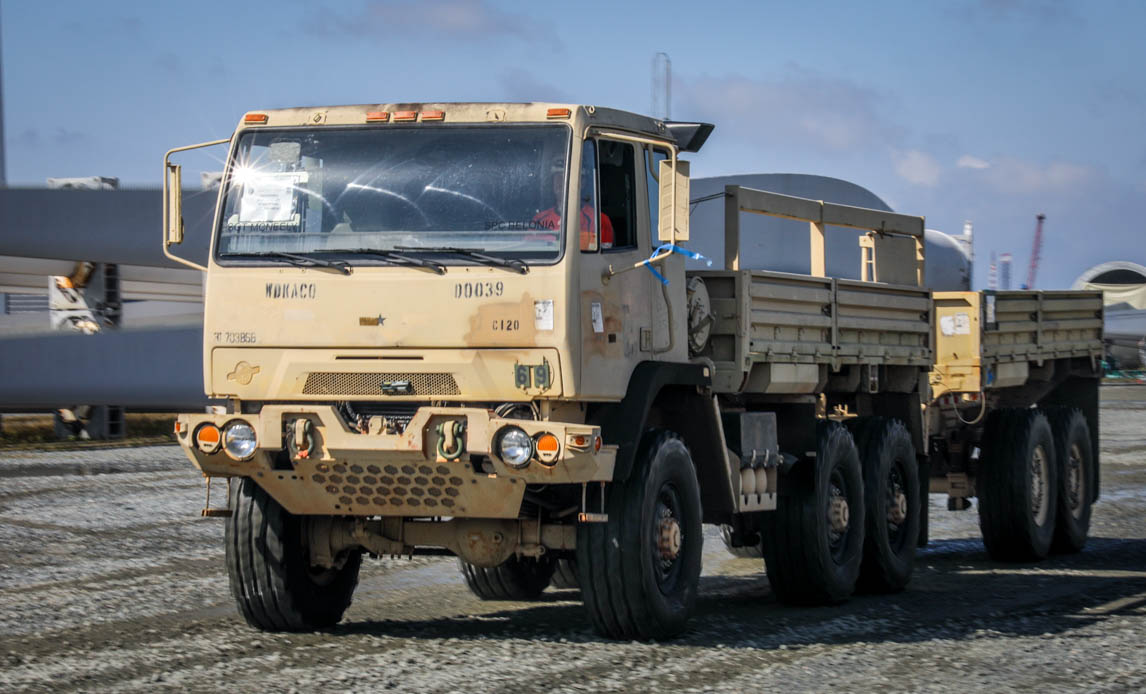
{"type": "Point", "coordinates": [588, 196]}
{"type": "Point", "coordinates": [618, 195]}
{"type": "Point", "coordinates": [653, 158]}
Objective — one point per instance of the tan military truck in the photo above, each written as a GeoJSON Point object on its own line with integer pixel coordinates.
{"type": "Point", "coordinates": [468, 329]}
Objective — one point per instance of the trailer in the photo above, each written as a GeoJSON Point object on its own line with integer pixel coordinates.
{"type": "Point", "coordinates": [468, 329]}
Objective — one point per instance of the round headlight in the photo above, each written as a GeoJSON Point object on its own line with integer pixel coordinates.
{"type": "Point", "coordinates": [239, 440]}
{"type": "Point", "coordinates": [514, 447]}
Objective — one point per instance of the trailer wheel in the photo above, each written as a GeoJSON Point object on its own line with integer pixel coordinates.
{"type": "Point", "coordinates": [1017, 485]}
{"type": "Point", "coordinates": [639, 571]}
{"type": "Point", "coordinates": [565, 577]}
{"type": "Point", "coordinates": [814, 539]}
{"type": "Point", "coordinates": [271, 578]}
{"type": "Point", "coordinates": [1076, 479]}
{"type": "Point", "coordinates": [892, 501]}
{"type": "Point", "coordinates": [752, 552]}
{"type": "Point", "coordinates": [517, 578]}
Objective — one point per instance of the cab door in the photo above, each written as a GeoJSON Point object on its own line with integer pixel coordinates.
{"type": "Point", "coordinates": [616, 316]}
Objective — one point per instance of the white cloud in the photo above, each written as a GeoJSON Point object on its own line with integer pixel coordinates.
{"type": "Point", "coordinates": [1018, 176]}
{"type": "Point", "coordinates": [466, 20]}
{"type": "Point", "coordinates": [970, 162]}
{"type": "Point", "coordinates": [919, 168]}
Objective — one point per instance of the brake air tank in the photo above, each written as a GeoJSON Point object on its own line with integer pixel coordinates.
{"type": "Point", "coordinates": [770, 243]}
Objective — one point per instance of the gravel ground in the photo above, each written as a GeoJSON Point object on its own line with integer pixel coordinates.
{"type": "Point", "coordinates": [109, 580]}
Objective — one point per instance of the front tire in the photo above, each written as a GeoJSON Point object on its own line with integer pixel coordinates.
{"type": "Point", "coordinates": [814, 539]}
{"type": "Point", "coordinates": [640, 570]}
{"type": "Point", "coordinates": [891, 497]}
{"type": "Point", "coordinates": [1017, 485]}
{"type": "Point", "coordinates": [269, 568]}
{"type": "Point", "coordinates": [517, 578]}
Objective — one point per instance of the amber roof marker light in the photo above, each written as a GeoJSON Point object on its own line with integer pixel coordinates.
{"type": "Point", "coordinates": [378, 117]}
{"type": "Point", "coordinates": [256, 118]}
{"type": "Point", "coordinates": [558, 113]}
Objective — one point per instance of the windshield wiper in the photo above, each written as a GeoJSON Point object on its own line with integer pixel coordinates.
{"type": "Point", "coordinates": [298, 260]}
{"type": "Point", "coordinates": [514, 263]}
{"type": "Point", "coordinates": [398, 258]}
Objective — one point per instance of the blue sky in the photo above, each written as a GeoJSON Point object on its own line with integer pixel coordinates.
{"type": "Point", "coordinates": [988, 110]}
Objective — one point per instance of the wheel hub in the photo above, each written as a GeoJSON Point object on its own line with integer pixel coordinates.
{"type": "Point", "coordinates": [668, 539]}
{"type": "Point", "coordinates": [897, 509]}
{"type": "Point", "coordinates": [838, 514]}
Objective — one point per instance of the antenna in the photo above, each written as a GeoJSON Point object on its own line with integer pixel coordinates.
{"type": "Point", "coordinates": [662, 87]}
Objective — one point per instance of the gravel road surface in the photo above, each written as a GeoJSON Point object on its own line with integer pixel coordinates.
{"type": "Point", "coordinates": [109, 580]}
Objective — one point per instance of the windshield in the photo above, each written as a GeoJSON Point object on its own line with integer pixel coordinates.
{"type": "Point", "coordinates": [495, 189]}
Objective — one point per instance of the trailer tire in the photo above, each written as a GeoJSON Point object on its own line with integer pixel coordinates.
{"type": "Point", "coordinates": [270, 574]}
{"type": "Point", "coordinates": [813, 546]}
{"type": "Point", "coordinates": [565, 575]}
{"type": "Point", "coordinates": [1017, 485]}
{"type": "Point", "coordinates": [892, 501]}
{"type": "Point", "coordinates": [639, 571]}
{"type": "Point", "coordinates": [517, 578]}
{"type": "Point", "coordinates": [1075, 477]}
{"type": "Point", "coordinates": [745, 552]}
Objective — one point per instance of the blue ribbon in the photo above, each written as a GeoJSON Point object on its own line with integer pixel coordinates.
{"type": "Point", "coordinates": [675, 249]}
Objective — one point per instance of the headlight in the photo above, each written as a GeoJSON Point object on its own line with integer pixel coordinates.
{"type": "Point", "coordinates": [514, 447]}
{"type": "Point", "coordinates": [239, 440]}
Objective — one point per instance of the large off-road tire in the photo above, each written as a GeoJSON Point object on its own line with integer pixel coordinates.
{"type": "Point", "coordinates": [755, 551]}
{"type": "Point", "coordinates": [639, 571]}
{"type": "Point", "coordinates": [565, 575]}
{"type": "Point", "coordinates": [271, 578]}
{"type": "Point", "coordinates": [1075, 479]}
{"type": "Point", "coordinates": [892, 504]}
{"type": "Point", "coordinates": [517, 578]}
{"type": "Point", "coordinates": [1017, 485]}
{"type": "Point", "coordinates": [813, 541]}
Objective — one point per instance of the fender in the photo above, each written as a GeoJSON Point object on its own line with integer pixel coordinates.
{"type": "Point", "coordinates": [623, 423]}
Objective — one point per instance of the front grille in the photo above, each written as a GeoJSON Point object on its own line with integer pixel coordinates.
{"type": "Point", "coordinates": [330, 383]}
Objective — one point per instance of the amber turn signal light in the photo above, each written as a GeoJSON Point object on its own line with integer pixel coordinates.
{"type": "Point", "coordinates": [546, 447]}
{"type": "Point", "coordinates": [208, 438]}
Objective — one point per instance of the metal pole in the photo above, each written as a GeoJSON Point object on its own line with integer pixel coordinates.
{"type": "Point", "coordinates": [3, 171]}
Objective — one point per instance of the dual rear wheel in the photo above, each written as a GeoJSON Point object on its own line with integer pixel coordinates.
{"type": "Point", "coordinates": [1035, 483]}
{"type": "Point", "coordinates": [851, 519]}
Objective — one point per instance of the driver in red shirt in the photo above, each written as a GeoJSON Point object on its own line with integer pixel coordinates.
{"type": "Point", "coordinates": [551, 218]}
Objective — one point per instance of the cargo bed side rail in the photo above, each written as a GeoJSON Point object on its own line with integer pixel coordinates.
{"type": "Point", "coordinates": [898, 238]}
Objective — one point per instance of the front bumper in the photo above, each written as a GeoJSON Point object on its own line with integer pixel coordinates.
{"type": "Point", "coordinates": [358, 474]}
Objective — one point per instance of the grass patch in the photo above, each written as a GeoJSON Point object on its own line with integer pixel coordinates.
{"type": "Point", "coordinates": [36, 431]}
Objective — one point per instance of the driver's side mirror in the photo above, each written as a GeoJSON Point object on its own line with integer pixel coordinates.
{"type": "Point", "coordinates": [673, 202]}
{"type": "Point", "coordinates": [173, 204]}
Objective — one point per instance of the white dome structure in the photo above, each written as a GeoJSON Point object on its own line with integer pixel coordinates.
{"type": "Point", "coordinates": [1123, 284]}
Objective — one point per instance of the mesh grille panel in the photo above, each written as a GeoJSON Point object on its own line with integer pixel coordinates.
{"type": "Point", "coordinates": [330, 383]}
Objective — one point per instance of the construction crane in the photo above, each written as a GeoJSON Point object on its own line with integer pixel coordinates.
{"type": "Point", "coordinates": [1038, 247]}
